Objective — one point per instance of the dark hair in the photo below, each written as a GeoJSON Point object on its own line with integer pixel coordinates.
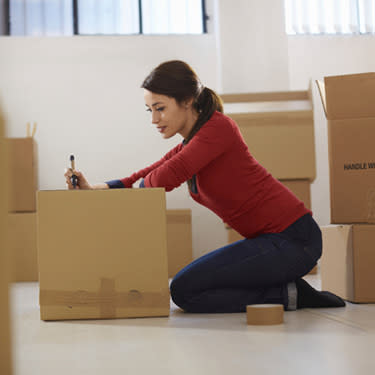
{"type": "Point", "coordinates": [178, 80]}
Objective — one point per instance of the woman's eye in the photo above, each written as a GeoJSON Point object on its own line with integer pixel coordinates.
{"type": "Point", "coordinates": [148, 110]}
{"type": "Point", "coordinates": [160, 109]}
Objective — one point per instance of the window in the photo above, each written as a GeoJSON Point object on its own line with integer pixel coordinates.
{"type": "Point", "coordinates": [39, 17]}
{"type": "Point", "coordinates": [98, 17]}
{"type": "Point", "coordinates": [102, 17]}
{"type": "Point", "coordinates": [330, 16]}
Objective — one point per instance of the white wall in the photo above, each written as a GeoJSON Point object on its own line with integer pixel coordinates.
{"type": "Point", "coordinates": [85, 95]}
{"type": "Point", "coordinates": [253, 46]}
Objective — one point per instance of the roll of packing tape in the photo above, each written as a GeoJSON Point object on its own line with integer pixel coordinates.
{"type": "Point", "coordinates": [267, 314]}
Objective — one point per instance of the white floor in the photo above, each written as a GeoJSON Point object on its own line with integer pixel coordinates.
{"type": "Point", "coordinates": [311, 341]}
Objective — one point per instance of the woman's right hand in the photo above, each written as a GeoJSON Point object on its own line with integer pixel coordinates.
{"type": "Point", "coordinates": [82, 183]}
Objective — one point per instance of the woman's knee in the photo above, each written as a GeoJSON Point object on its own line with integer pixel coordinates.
{"type": "Point", "coordinates": [177, 293]}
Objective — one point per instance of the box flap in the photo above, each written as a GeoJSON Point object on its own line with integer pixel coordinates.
{"type": "Point", "coordinates": [350, 96]}
{"type": "Point", "coordinates": [322, 92]}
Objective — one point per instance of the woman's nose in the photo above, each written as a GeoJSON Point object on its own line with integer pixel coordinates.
{"type": "Point", "coordinates": [155, 117]}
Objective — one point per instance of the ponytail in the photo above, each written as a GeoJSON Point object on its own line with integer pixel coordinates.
{"type": "Point", "coordinates": [206, 104]}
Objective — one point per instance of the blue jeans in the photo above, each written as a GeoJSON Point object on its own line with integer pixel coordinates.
{"type": "Point", "coordinates": [250, 271]}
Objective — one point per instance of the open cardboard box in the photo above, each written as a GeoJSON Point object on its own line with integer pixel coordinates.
{"type": "Point", "coordinates": [348, 103]}
{"type": "Point", "coordinates": [23, 176]}
{"type": "Point", "coordinates": [102, 254]}
{"type": "Point", "coordinates": [278, 128]}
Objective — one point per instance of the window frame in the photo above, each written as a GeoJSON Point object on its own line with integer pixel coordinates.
{"type": "Point", "coordinates": [75, 19]}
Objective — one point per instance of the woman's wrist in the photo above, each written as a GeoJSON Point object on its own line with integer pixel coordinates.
{"type": "Point", "coordinates": [100, 186]}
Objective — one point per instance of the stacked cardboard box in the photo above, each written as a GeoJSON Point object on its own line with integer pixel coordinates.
{"type": "Point", "coordinates": [22, 208]}
{"type": "Point", "coordinates": [5, 345]}
{"type": "Point", "coordinates": [102, 254]}
{"type": "Point", "coordinates": [278, 127]}
{"type": "Point", "coordinates": [349, 246]}
{"type": "Point", "coordinates": [179, 240]}
{"type": "Point", "coordinates": [279, 130]}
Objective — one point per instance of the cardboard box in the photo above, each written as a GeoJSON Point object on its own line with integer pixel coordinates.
{"type": "Point", "coordinates": [348, 96]}
{"type": "Point", "coordinates": [348, 104]}
{"type": "Point", "coordinates": [279, 133]}
{"type": "Point", "coordinates": [233, 236]}
{"type": "Point", "coordinates": [301, 189]}
{"type": "Point", "coordinates": [22, 174]}
{"type": "Point", "coordinates": [179, 240]}
{"type": "Point", "coordinates": [102, 254]}
{"type": "Point", "coordinates": [5, 343]}
{"type": "Point", "coordinates": [348, 261]}
{"type": "Point", "coordinates": [22, 246]}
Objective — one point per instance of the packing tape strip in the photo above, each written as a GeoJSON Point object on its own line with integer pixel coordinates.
{"type": "Point", "coordinates": [265, 314]}
{"type": "Point", "coordinates": [107, 299]}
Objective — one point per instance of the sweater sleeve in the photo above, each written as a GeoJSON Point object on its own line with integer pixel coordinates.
{"type": "Point", "coordinates": [212, 140]}
{"type": "Point", "coordinates": [128, 182]}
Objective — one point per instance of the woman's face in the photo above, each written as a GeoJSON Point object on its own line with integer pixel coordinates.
{"type": "Point", "coordinates": [169, 116]}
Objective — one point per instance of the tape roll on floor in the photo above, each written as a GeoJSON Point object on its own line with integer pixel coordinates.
{"type": "Point", "coordinates": [266, 314]}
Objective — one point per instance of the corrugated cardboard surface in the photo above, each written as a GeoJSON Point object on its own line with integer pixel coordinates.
{"type": "Point", "coordinates": [23, 247]}
{"type": "Point", "coordinates": [283, 142]}
{"type": "Point", "coordinates": [350, 96]}
{"type": "Point", "coordinates": [336, 266]}
{"type": "Point", "coordinates": [352, 170]}
{"type": "Point", "coordinates": [348, 102]}
{"type": "Point", "coordinates": [301, 189]}
{"type": "Point", "coordinates": [102, 254]}
{"type": "Point", "coordinates": [5, 345]}
{"type": "Point", "coordinates": [348, 262]}
{"type": "Point", "coordinates": [179, 240]}
{"type": "Point", "coordinates": [364, 263]}
{"type": "Point", "coordinates": [22, 174]}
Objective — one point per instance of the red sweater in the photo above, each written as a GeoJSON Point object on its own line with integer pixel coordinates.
{"type": "Point", "coordinates": [229, 180]}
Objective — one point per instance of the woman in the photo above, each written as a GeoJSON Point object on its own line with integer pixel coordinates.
{"type": "Point", "coordinates": [282, 241]}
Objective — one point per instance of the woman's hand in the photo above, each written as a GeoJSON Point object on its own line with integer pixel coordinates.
{"type": "Point", "coordinates": [82, 183]}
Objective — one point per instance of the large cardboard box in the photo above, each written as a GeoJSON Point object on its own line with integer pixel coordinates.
{"type": "Point", "coordinates": [279, 133]}
{"type": "Point", "coordinates": [22, 174]}
{"type": "Point", "coordinates": [5, 343]}
{"type": "Point", "coordinates": [102, 254]}
{"type": "Point", "coordinates": [23, 247]}
{"type": "Point", "coordinates": [348, 102]}
{"type": "Point", "coordinates": [348, 261]}
{"type": "Point", "coordinates": [179, 240]}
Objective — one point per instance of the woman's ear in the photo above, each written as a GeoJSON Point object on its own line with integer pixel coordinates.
{"type": "Point", "coordinates": [188, 103]}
